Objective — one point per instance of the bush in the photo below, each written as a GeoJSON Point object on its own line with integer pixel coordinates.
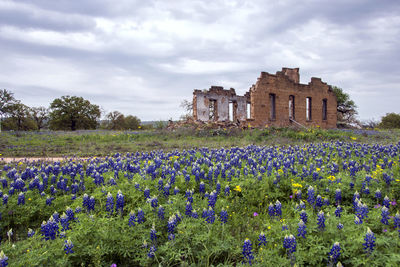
{"type": "Point", "coordinates": [390, 121]}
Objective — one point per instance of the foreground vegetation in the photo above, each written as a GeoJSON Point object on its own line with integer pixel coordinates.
{"type": "Point", "coordinates": [102, 143]}
{"type": "Point", "coordinates": [309, 204]}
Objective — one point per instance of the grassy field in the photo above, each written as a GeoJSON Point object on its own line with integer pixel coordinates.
{"type": "Point", "coordinates": [102, 143]}
{"type": "Point", "coordinates": [271, 197]}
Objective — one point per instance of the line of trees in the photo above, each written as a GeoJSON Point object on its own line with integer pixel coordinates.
{"type": "Point", "coordinates": [65, 113]}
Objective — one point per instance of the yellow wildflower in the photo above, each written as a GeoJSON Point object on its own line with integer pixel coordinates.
{"type": "Point", "coordinates": [238, 188]}
{"type": "Point", "coordinates": [332, 178]}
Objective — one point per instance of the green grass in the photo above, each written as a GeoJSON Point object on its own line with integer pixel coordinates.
{"type": "Point", "coordinates": [101, 143]}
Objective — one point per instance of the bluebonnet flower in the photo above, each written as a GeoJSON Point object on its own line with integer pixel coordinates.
{"type": "Point", "coordinates": [64, 222]}
{"type": "Point", "coordinates": [247, 252]}
{"type": "Point", "coordinates": [91, 203]}
{"type": "Point", "coordinates": [171, 227]}
{"type": "Point", "coordinates": [210, 215]}
{"type": "Point", "coordinates": [21, 198]}
{"type": "Point", "coordinates": [160, 184]}
{"type": "Point", "coordinates": [334, 254]}
{"type": "Point", "coordinates": [70, 214]}
{"type": "Point", "coordinates": [161, 212]}
{"type": "Point", "coordinates": [68, 246]}
{"type": "Point", "coordinates": [112, 181]}
{"type": "Point", "coordinates": [152, 251]}
{"type": "Point", "coordinates": [176, 190]}
{"type": "Point", "coordinates": [140, 216]}
{"type": "Point", "coordinates": [187, 178]}
{"type": "Point", "coordinates": [385, 216]}
{"type": "Point", "coordinates": [189, 195]}
{"type": "Point", "coordinates": [11, 191]}
{"type": "Point", "coordinates": [340, 226]}
{"type": "Point", "coordinates": [386, 202]}
{"type": "Point", "coordinates": [298, 194]}
{"type": "Point", "coordinates": [78, 209]}
{"type": "Point", "coordinates": [378, 194]}
{"type": "Point", "coordinates": [356, 197]}
{"type": "Point", "coordinates": [137, 186]}
{"type": "Point", "coordinates": [338, 211]}
{"type": "Point", "coordinates": [189, 209]}
{"type": "Point", "coordinates": [262, 240]}
{"type": "Point", "coordinates": [153, 234]}
{"type": "Point", "coordinates": [319, 203]}
{"type": "Point", "coordinates": [321, 220]}
{"type": "Point", "coordinates": [3, 259]}
{"type": "Point", "coordinates": [110, 203]}
{"type": "Point", "coordinates": [227, 190]}
{"type": "Point", "coordinates": [278, 209]}
{"type": "Point", "coordinates": [284, 227]}
{"type": "Point", "coordinates": [146, 193]}
{"type": "Point", "coordinates": [167, 187]}
{"type": "Point", "coordinates": [56, 217]}
{"type": "Point", "coordinates": [194, 214]}
{"type": "Point", "coordinates": [303, 216]}
{"type": "Point", "coordinates": [369, 242]}
{"type": "Point", "coordinates": [119, 205]}
{"type": "Point", "coordinates": [5, 199]}
{"type": "Point", "coordinates": [223, 215]}
{"type": "Point", "coordinates": [202, 188]}
{"type": "Point", "coordinates": [366, 190]}
{"type": "Point", "coordinates": [357, 220]}
{"type": "Point", "coordinates": [289, 243]}
{"type": "Point", "coordinates": [132, 219]}
{"type": "Point", "coordinates": [302, 229]}
{"type": "Point", "coordinates": [205, 213]}
{"type": "Point", "coordinates": [302, 205]}
{"type": "Point", "coordinates": [31, 232]}
{"type": "Point", "coordinates": [49, 229]}
{"type": "Point", "coordinates": [212, 199]}
{"type": "Point", "coordinates": [338, 196]}
{"type": "Point", "coordinates": [311, 195]}
{"type": "Point", "coordinates": [396, 220]}
{"type": "Point", "coordinates": [154, 202]}
{"type": "Point", "coordinates": [178, 216]}
{"type": "Point", "coordinates": [271, 210]}
{"type": "Point", "coordinates": [85, 201]}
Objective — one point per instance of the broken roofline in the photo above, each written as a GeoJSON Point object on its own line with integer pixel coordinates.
{"type": "Point", "coordinates": [276, 99]}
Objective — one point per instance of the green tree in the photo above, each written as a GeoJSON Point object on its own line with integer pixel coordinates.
{"type": "Point", "coordinates": [115, 121]}
{"type": "Point", "coordinates": [390, 120]}
{"type": "Point", "coordinates": [40, 115]}
{"type": "Point", "coordinates": [132, 122]}
{"type": "Point", "coordinates": [73, 113]}
{"type": "Point", "coordinates": [7, 100]}
{"type": "Point", "coordinates": [19, 118]}
{"type": "Point", "coordinates": [346, 108]}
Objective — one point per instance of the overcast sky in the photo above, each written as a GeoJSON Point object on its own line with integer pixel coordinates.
{"type": "Point", "coordinates": [144, 57]}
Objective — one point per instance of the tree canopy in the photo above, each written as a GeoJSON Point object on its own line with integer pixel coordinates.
{"type": "Point", "coordinates": [73, 113]}
{"type": "Point", "coordinates": [390, 120]}
{"type": "Point", "coordinates": [346, 108]}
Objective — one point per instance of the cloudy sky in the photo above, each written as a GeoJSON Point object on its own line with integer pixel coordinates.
{"type": "Point", "coordinates": [144, 57]}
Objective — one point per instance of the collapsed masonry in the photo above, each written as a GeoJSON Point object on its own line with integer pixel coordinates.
{"type": "Point", "coordinates": [275, 100]}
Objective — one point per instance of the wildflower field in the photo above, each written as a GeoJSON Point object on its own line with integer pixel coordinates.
{"type": "Point", "coordinates": [316, 204]}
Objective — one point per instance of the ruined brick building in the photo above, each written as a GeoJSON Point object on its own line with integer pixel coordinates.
{"type": "Point", "coordinates": [275, 100]}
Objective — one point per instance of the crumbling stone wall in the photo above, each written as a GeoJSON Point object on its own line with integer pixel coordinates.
{"type": "Point", "coordinates": [221, 98]}
{"type": "Point", "coordinates": [275, 100]}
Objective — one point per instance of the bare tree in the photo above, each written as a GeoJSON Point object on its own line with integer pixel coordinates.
{"type": "Point", "coordinates": [40, 115]}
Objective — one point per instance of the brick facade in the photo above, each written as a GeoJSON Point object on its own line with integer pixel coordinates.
{"type": "Point", "coordinates": [275, 100]}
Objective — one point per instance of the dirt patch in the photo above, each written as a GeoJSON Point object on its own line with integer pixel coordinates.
{"type": "Point", "coordinates": [33, 159]}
